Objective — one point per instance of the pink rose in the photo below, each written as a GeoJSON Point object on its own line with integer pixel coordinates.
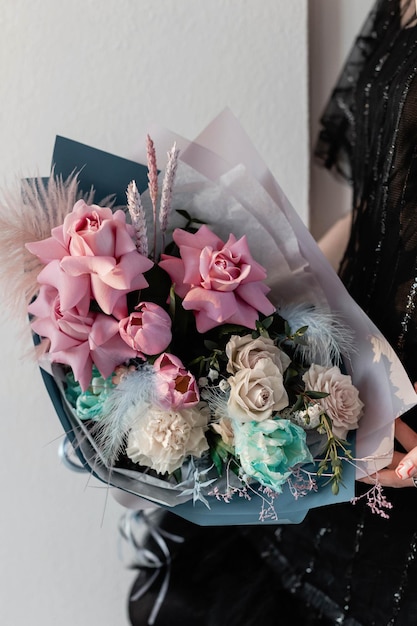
{"type": "Point", "coordinates": [220, 282]}
{"type": "Point", "coordinates": [96, 242]}
{"type": "Point", "coordinates": [78, 339]}
{"type": "Point", "coordinates": [148, 330]}
{"type": "Point", "coordinates": [176, 387]}
{"type": "Point", "coordinates": [74, 291]}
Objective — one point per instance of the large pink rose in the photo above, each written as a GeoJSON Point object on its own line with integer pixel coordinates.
{"type": "Point", "coordinates": [220, 282]}
{"type": "Point", "coordinates": [78, 339]}
{"type": "Point", "coordinates": [147, 330]}
{"type": "Point", "coordinates": [96, 242]}
{"type": "Point", "coordinates": [74, 291]}
{"type": "Point", "coordinates": [175, 386]}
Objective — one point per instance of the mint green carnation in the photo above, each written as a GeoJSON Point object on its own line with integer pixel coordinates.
{"type": "Point", "coordinates": [88, 404]}
{"type": "Point", "coordinates": [72, 389]}
{"type": "Point", "coordinates": [268, 450]}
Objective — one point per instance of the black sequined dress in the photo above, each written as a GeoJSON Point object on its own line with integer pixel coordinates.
{"type": "Point", "coordinates": [345, 564]}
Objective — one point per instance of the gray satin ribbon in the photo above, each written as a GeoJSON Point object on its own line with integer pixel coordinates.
{"type": "Point", "coordinates": [132, 523]}
{"type": "Point", "coordinates": [68, 457]}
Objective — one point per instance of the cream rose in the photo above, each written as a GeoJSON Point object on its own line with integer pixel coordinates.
{"type": "Point", "coordinates": [342, 405]}
{"type": "Point", "coordinates": [162, 439]}
{"type": "Point", "coordinates": [224, 428]}
{"type": "Point", "coordinates": [244, 352]}
{"type": "Point", "coordinates": [256, 393]}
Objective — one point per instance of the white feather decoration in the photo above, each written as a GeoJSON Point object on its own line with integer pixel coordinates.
{"type": "Point", "coordinates": [129, 400]}
{"type": "Point", "coordinates": [328, 340]}
{"type": "Point", "coordinates": [217, 401]}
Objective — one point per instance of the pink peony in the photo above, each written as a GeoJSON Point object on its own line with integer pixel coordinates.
{"type": "Point", "coordinates": [147, 330]}
{"type": "Point", "coordinates": [176, 387]}
{"type": "Point", "coordinates": [78, 339]}
{"type": "Point", "coordinates": [95, 242]}
{"type": "Point", "coordinates": [220, 282]}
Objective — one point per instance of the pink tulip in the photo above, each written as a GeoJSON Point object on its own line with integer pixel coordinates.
{"type": "Point", "coordinates": [147, 330]}
{"type": "Point", "coordinates": [220, 282]}
{"type": "Point", "coordinates": [176, 387]}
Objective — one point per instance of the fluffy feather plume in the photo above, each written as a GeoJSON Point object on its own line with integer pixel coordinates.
{"type": "Point", "coordinates": [217, 401]}
{"type": "Point", "coordinates": [28, 213]}
{"type": "Point", "coordinates": [328, 340]}
{"type": "Point", "coordinates": [129, 400]}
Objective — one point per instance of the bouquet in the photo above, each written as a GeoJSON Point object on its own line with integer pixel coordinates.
{"type": "Point", "coordinates": [199, 351]}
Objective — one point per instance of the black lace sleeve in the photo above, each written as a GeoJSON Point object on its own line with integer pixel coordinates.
{"type": "Point", "coordinates": [336, 140]}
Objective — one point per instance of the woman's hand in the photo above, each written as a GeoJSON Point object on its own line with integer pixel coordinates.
{"type": "Point", "coordinates": [403, 466]}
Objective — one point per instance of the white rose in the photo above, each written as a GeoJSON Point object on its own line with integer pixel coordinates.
{"type": "Point", "coordinates": [342, 405]}
{"type": "Point", "coordinates": [162, 439]}
{"type": "Point", "coordinates": [244, 352]}
{"type": "Point", "coordinates": [256, 393]}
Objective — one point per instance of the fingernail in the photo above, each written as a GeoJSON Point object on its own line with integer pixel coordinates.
{"type": "Point", "coordinates": [406, 469]}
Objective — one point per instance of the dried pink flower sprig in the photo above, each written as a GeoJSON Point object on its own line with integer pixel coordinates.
{"type": "Point", "coordinates": [153, 183]}
{"type": "Point", "coordinates": [167, 191]}
{"type": "Point", "coordinates": [138, 218]}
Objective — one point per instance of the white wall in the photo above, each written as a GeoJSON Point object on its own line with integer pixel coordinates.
{"type": "Point", "coordinates": [333, 25]}
{"type": "Point", "coordinates": [95, 71]}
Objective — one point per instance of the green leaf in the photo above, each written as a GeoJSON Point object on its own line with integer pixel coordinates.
{"type": "Point", "coordinates": [316, 395]}
{"type": "Point", "coordinates": [189, 218]}
{"type": "Point", "coordinates": [230, 329]}
{"type": "Point", "coordinates": [177, 475]}
{"type": "Point", "coordinates": [184, 214]}
{"type": "Point", "coordinates": [217, 460]}
{"type": "Point", "coordinates": [211, 345]}
{"type": "Point", "coordinates": [300, 341]}
{"type": "Point", "coordinates": [299, 404]}
{"type": "Point", "coordinates": [291, 374]}
{"type": "Point", "coordinates": [267, 322]}
{"type": "Point", "coordinates": [335, 488]}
